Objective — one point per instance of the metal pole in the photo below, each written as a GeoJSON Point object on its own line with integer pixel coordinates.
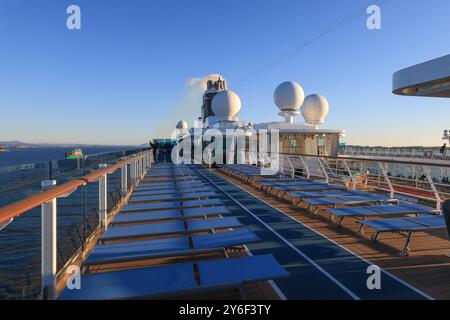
{"type": "Point", "coordinates": [103, 198]}
{"type": "Point", "coordinates": [133, 172]}
{"type": "Point", "coordinates": [327, 178]}
{"type": "Point", "coordinates": [48, 244]}
{"type": "Point", "coordinates": [427, 172]}
{"type": "Point", "coordinates": [304, 166]}
{"type": "Point", "coordinates": [386, 178]}
{"type": "Point", "coordinates": [352, 179]}
{"type": "Point", "coordinates": [123, 181]}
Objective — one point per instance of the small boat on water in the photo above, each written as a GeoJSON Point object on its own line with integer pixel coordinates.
{"type": "Point", "coordinates": [3, 149]}
{"type": "Point", "coordinates": [74, 154]}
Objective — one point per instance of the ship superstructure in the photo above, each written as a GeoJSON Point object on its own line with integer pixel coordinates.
{"type": "Point", "coordinates": [221, 106]}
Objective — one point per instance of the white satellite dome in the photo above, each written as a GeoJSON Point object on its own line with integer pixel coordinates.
{"type": "Point", "coordinates": [226, 105]}
{"type": "Point", "coordinates": [182, 125]}
{"type": "Point", "coordinates": [315, 109]}
{"type": "Point", "coordinates": [289, 96]}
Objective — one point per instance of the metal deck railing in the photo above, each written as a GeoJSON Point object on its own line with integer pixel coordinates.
{"type": "Point", "coordinates": [53, 199]}
{"type": "Point", "coordinates": [418, 181]}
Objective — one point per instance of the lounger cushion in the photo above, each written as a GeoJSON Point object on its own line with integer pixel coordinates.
{"type": "Point", "coordinates": [106, 253]}
{"type": "Point", "coordinates": [114, 252]}
{"type": "Point", "coordinates": [167, 186]}
{"type": "Point", "coordinates": [326, 194]}
{"type": "Point", "coordinates": [174, 278]}
{"type": "Point", "coordinates": [346, 200]}
{"type": "Point", "coordinates": [168, 214]}
{"type": "Point", "coordinates": [171, 205]}
{"type": "Point", "coordinates": [172, 190]}
{"type": "Point", "coordinates": [394, 209]}
{"type": "Point", "coordinates": [406, 224]}
{"type": "Point", "coordinates": [172, 197]}
{"type": "Point", "coordinates": [173, 227]}
{"type": "Point", "coordinates": [316, 187]}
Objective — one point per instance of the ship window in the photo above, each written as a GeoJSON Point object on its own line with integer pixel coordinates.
{"type": "Point", "coordinates": [293, 145]}
{"type": "Point", "coordinates": [320, 142]}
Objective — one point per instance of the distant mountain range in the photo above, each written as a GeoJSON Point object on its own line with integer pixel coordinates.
{"type": "Point", "coordinates": [16, 143]}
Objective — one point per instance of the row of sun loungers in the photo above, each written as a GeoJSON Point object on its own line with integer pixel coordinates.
{"type": "Point", "coordinates": [171, 214]}
{"type": "Point", "coordinates": [315, 194]}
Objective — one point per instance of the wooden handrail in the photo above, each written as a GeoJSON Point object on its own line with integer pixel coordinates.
{"type": "Point", "coordinates": [17, 208]}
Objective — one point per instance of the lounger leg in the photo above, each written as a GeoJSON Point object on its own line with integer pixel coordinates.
{"type": "Point", "coordinates": [243, 291]}
{"type": "Point", "coordinates": [406, 251]}
{"type": "Point", "coordinates": [375, 236]}
{"type": "Point", "coordinates": [361, 227]}
{"type": "Point", "coordinates": [341, 220]}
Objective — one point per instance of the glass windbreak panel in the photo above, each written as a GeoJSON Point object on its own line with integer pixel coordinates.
{"type": "Point", "coordinates": [20, 257]}
{"type": "Point", "coordinates": [77, 217]}
{"type": "Point", "coordinates": [20, 181]}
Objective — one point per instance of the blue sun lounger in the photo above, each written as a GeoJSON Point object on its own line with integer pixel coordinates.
{"type": "Point", "coordinates": [291, 183]}
{"type": "Point", "coordinates": [280, 185]}
{"type": "Point", "coordinates": [168, 186]}
{"type": "Point", "coordinates": [379, 211]}
{"type": "Point", "coordinates": [169, 215]}
{"type": "Point", "coordinates": [348, 200]}
{"type": "Point", "coordinates": [166, 228]}
{"type": "Point", "coordinates": [171, 205]}
{"type": "Point", "coordinates": [285, 179]}
{"type": "Point", "coordinates": [408, 225]}
{"type": "Point", "coordinates": [157, 248]}
{"type": "Point", "coordinates": [298, 196]}
{"type": "Point", "coordinates": [169, 173]}
{"type": "Point", "coordinates": [168, 179]}
{"type": "Point", "coordinates": [282, 190]}
{"type": "Point", "coordinates": [327, 194]}
{"type": "Point", "coordinates": [173, 279]}
{"type": "Point", "coordinates": [171, 191]}
{"type": "Point", "coordinates": [173, 197]}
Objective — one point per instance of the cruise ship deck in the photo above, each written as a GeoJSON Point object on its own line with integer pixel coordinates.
{"type": "Point", "coordinates": [302, 255]}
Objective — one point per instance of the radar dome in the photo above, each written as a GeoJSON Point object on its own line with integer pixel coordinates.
{"type": "Point", "coordinates": [226, 105]}
{"type": "Point", "coordinates": [315, 109]}
{"type": "Point", "coordinates": [182, 125]}
{"type": "Point", "coordinates": [289, 96]}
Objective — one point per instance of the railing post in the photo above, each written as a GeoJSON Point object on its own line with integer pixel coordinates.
{"type": "Point", "coordinates": [48, 244]}
{"type": "Point", "coordinates": [103, 199]}
{"type": "Point", "coordinates": [133, 172]}
{"type": "Point", "coordinates": [138, 169]}
{"type": "Point", "coordinates": [124, 180]}
{"type": "Point", "coordinates": [327, 178]}
{"type": "Point", "coordinates": [427, 172]}
{"type": "Point", "coordinates": [352, 179]}
{"type": "Point", "coordinates": [305, 166]}
{"type": "Point", "coordinates": [292, 167]}
{"type": "Point", "coordinates": [146, 162]}
{"type": "Point", "coordinates": [386, 177]}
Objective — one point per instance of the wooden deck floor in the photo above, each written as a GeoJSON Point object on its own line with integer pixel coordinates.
{"type": "Point", "coordinates": [427, 268]}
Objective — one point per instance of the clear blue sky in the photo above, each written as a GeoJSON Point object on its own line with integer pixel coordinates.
{"type": "Point", "coordinates": [122, 77]}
